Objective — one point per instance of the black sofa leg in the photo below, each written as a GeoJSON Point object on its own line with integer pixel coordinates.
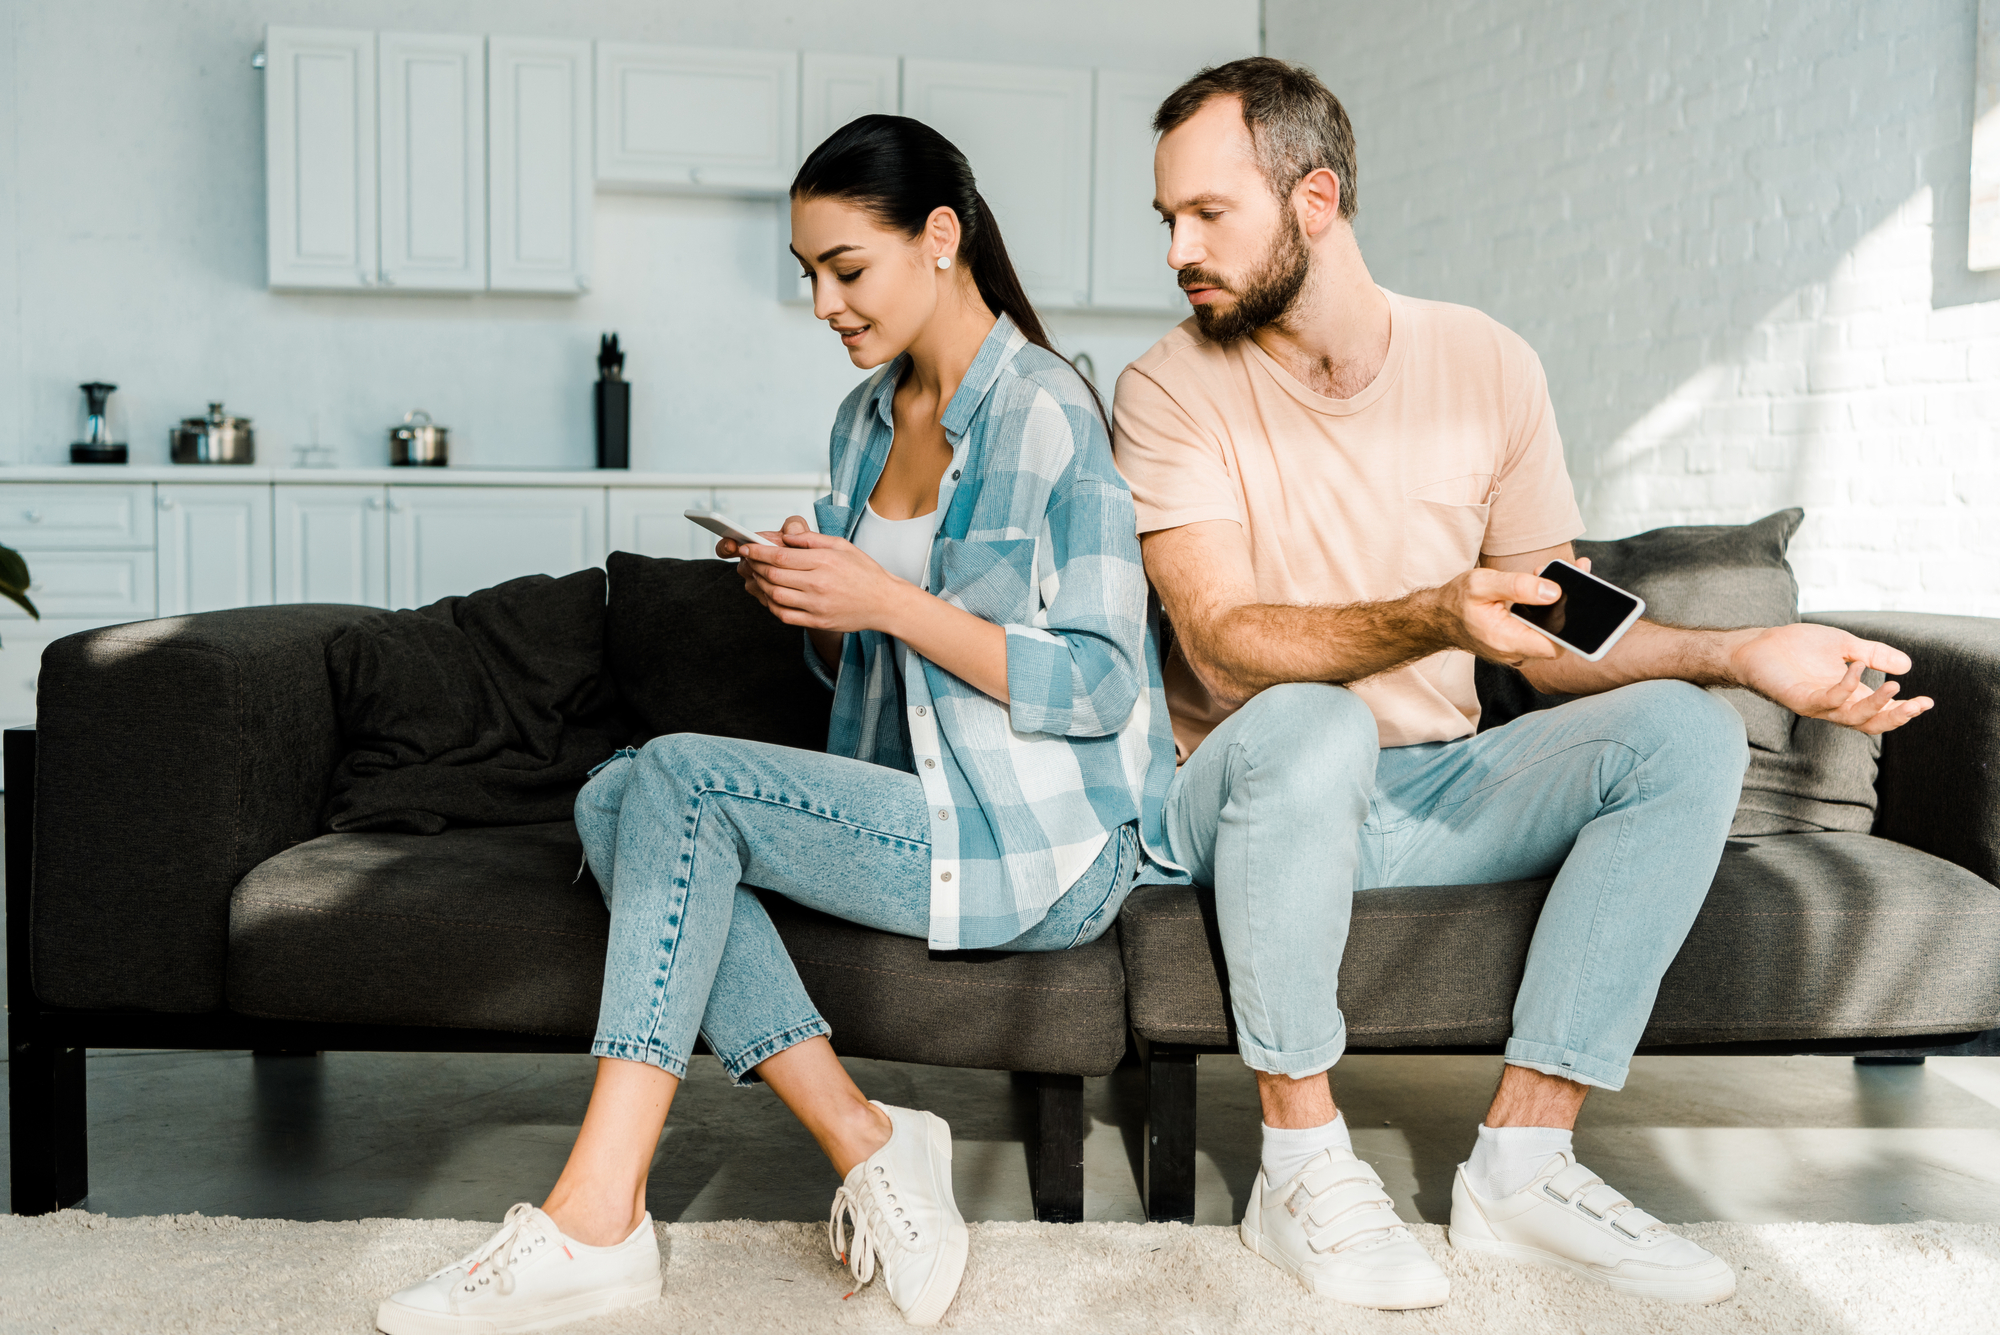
{"type": "Point", "coordinates": [48, 1135]}
{"type": "Point", "coordinates": [1170, 1117]}
{"type": "Point", "coordinates": [1055, 1174]}
{"type": "Point", "coordinates": [1892, 1060]}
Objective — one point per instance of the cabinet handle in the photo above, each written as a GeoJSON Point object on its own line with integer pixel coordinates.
{"type": "Point", "coordinates": [397, 507]}
{"type": "Point", "coordinates": [33, 516]}
{"type": "Point", "coordinates": [583, 282]}
{"type": "Point", "coordinates": [694, 175]}
{"type": "Point", "coordinates": [367, 279]}
{"type": "Point", "coordinates": [387, 281]}
{"type": "Point", "coordinates": [166, 502]}
{"type": "Point", "coordinates": [375, 502]}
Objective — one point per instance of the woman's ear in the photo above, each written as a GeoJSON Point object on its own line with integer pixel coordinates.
{"type": "Point", "coordinates": [941, 237]}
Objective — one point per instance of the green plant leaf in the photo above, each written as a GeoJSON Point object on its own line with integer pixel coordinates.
{"type": "Point", "coordinates": [14, 581]}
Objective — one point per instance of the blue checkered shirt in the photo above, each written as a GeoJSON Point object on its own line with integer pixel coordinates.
{"type": "Point", "coordinates": [1038, 536]}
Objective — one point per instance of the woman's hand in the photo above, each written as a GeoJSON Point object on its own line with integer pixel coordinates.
{"type": "Point", "coordinates": [820, 582]}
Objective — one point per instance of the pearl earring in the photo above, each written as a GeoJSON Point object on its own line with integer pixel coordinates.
{"type": "Point", "coordinates": [944, 261]}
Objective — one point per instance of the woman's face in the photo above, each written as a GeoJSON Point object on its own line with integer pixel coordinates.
{"type": "Point", "coordinates": [874, 287]}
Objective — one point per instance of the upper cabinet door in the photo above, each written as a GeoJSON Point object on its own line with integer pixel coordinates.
{"type": "Point", "coordinates": [1026, 132]}
{"type": "Point", "coordinates": [433, 119]}
{"type": "Point", "coordinates": [1128, 252]}
{"type": "Point", "coordinates": [691, 119]}
{"type": "Point", "coordinates": [538, 145]}
{"type": "Point", "coordinates": [319, 157]}
{"type": "Point", "coordinates": [836, 89]}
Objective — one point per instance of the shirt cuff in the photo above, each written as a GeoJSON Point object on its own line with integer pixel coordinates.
{"type": "Point", "coordinates": [818, 665]}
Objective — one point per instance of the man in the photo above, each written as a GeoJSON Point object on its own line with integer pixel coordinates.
{"type": "Point", "coordinates": [1340, 492]}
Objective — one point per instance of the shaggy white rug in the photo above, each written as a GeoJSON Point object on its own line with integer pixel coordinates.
{"type": "Point", "coordinates": [81, 1272]}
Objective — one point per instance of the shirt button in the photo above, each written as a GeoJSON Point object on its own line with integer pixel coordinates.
{"type": "Point", "coordinates": [954, 474]}
{"type": "Point", "coordinates": [943, 814]}
{"type": "Point", "coordinates": [930, 764]}
{"type": "Point", "coordinates": [944, 876]}
{"type": "Point", "coordinates": [920, 711]}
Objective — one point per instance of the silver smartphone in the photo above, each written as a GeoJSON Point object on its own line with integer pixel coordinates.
{"type": "Point", "coordinates": [1588, 618]}
{"type": "Point", "coordinates": [722, 526]}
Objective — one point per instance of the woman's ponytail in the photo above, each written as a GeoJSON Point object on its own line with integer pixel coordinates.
{"type": "Point", "coordinates": [901, 171]}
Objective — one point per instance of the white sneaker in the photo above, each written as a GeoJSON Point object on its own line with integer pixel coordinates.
{"type": "Point", "coordinates": [528, 1276]}
{"type": "Point", "coordinates": [1336, 1229]}
{"type": "Point", "coordinates": [1568, 1217]}
{"type": "Point", "coordinates": [905, 1220]}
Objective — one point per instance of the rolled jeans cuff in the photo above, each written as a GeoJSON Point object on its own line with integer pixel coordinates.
{"type": "Point", "coordinates": [1295, 1065]}
{"type": "Point", "coordinates": [741, 1065]}
{"type": "Point", "coordinates": [1567, 1063]}
{"type": "Point", "coordinates": [649, 1053]}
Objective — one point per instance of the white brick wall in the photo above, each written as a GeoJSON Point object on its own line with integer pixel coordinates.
{"type": "Point", "coordinates": [1734, 231]}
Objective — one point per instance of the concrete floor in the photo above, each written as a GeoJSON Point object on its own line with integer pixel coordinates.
{"type": "Point", "coordinates": [354, 1135]}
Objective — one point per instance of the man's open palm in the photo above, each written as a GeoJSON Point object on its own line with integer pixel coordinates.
{"type": "Point", "coordinates": [1816, 671]}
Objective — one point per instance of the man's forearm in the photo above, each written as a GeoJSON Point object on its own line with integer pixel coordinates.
{"type": "Point", "coordinates": [1649, 652]}
{"type": "Point", "coordinates": [1259, 645]}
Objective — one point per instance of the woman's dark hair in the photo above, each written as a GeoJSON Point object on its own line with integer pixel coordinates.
{"type": "Point", "coordinates": [901, 171]}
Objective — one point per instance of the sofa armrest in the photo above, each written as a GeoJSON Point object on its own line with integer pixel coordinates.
{"type": "Point", "coordinates": [1938, 788]}
{"type": "Point", "coordinates": [173, 756]}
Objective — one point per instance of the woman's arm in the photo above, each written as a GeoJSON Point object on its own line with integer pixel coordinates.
{"type": "Point", "coordinates": [831, 587]}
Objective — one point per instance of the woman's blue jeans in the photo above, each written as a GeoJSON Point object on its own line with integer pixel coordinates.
{"type": "Point", "coordinates": [1290, 806]}
{"type": "Point", "coordinates": [678, 831]}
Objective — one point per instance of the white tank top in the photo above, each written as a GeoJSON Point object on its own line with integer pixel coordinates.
{"type": "Point", "coordinates": [902, 547]}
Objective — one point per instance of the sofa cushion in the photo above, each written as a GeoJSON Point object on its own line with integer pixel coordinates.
{"type": "Point", "coordinates": [692, 651]}
{"type": "Point", "coordinates": [1828, 935]}
{"type": "Point", "coordinates": [502, 929]}
{"type": "Point", "coordinates": [486, 709]}
{"type": "Point", "coordinates": [1805, 774]}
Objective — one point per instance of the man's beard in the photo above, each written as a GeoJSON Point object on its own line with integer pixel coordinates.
{"type": "Point", "coordinates": [1266, 295]}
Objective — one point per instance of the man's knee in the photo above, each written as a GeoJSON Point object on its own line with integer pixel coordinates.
{"type": "Point", "coordinates": [685, 756]}
{"type": "Point", "coordinates": [1317, 730]}
{"type": "Point", "coordinates": [1693, 728]}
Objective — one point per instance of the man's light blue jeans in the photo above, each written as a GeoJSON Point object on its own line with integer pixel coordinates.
{"type": "Point", "coordinates": [1289, 807]}
{"type": "Point", "coordinates": [678, 832]}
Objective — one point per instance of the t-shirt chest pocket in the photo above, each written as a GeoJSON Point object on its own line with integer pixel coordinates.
{"type": "Point", "coordinates": [1456, 510]}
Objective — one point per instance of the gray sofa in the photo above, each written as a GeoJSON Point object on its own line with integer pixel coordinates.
{"type": "Point", "coordinates": [170, 884]}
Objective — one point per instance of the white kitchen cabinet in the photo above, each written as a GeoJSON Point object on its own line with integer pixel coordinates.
{"type": "Point", "coordinates": [1128, 250]}
{"type": "Point", "coordinates": [105, 586]}
{"type": "Point", "coordinates": [692, 119]}
{"type": "Point", "coordinates": [214, 546]}
{"type": "Point", "coordinates": [1027, 133]}
{"type": "Point", "coordinates": [539, 179]}
{"type": "Point", "coordinates": [332, 544]}
{"type": "Point", "coordinates": [445, 540]}
{"type": "Point", "coordinates": [432, 117]}
{"type": "Point", "coordinates": [319, 157]}
{"type": "Point", "coordinates": [652, 521]}
{"type": "Point", "coordinates": [54, 516]}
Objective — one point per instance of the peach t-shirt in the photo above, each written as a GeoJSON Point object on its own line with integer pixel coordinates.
{"type": "Point", "coordinates": [1450, 453]}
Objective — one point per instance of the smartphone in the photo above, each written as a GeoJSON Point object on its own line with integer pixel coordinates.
{"type": "Point", "coordinates": [1590, 615]}
{"type": "Point", "coordinates": [722, 526]}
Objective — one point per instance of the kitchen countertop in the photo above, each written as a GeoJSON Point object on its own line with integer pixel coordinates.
{"type": "Point", "coordinates": [417, 477]}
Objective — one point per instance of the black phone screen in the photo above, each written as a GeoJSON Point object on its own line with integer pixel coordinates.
{"type": "Point", "coordinates": [1586, 614]}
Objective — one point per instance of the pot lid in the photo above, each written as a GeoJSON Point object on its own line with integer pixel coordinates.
{"type": "Point", "coordinates": [216, 418]}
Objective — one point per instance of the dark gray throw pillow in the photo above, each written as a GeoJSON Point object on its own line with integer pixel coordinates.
{"type": "Point", "coordinates": [691, 651]}
{"type": "Point", "coordinates": [486, 709]}
{"type": "Point", "coordinates": [1805, 774]}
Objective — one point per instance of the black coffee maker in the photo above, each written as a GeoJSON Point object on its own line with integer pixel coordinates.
{"type": "Point", "coordinates": [98, 448]}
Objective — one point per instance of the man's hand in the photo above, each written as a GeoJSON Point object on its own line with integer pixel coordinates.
{"type": "Point", "coordinates": [1473, 615]}
{"type": "Point", "coordinates": [1815, 671]}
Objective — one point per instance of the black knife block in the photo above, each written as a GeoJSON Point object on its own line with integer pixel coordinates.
{"type": "Point", "coordinates": [614, 423]}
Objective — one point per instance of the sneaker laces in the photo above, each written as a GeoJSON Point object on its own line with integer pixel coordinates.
{"type": "Point", "coordinates": [876, 1214]}
{"type": "Point", "coordinates": [500, 1251]}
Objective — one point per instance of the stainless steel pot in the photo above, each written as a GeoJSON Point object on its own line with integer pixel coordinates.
{"type": "Point", "coordinates": [215, 439]}
{"type": "Point", "coordinates": [418, 441]}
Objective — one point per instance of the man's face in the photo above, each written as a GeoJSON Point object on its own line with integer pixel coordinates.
{"type": "Point", "coordinates": [1241, 254]}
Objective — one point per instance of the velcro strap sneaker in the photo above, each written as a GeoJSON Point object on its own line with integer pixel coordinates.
{"type": "Point", "coordinates": [1335, 1229]}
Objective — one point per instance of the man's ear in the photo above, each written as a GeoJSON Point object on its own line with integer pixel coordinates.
{"type": "Point", "coordinates": [1317, 201]}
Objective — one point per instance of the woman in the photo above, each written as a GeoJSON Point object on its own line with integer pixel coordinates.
{"type": "Point", "coordinates": [975, 599]}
